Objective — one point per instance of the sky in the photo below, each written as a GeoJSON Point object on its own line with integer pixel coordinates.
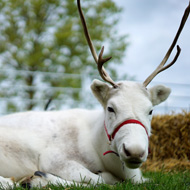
{"type": "Point", "coordinates": [151, 26]}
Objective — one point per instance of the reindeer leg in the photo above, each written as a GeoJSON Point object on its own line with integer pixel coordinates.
{"type": "Point", "coordinates": [73, 174]}
{"type": "Point", "coordinates": [135, 175]}
{"type": "Point", "coordinates": [41, 179]}
{"type": "Point", "coordinates": [6, 183]}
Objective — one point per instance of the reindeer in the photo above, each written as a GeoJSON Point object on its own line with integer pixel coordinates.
{"type": "Point", "coordinates": [85, 146]}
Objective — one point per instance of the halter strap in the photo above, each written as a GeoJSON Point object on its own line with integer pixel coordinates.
{"type": "Point", "coordinates": [112, 136]}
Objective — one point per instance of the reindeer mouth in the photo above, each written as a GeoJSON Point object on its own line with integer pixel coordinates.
{"type": "Point", "coordinates": [133, 163]}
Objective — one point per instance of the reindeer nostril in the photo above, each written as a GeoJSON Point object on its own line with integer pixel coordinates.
{"type": "Point", "coordinates": [133, 152]}
{"type": "Point", "coordinates": [127, 152]}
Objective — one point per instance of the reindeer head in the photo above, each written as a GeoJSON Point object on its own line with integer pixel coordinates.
{"type": "Point", "coordinates": [125, 106]}
{"type": "Point", "coordinates": [128, 105]}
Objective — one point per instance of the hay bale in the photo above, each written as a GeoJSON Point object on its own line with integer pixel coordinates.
{"type": "Point", "coordinates": [169, 143]}
{"type": "Point", "coordinates": [167, 165]}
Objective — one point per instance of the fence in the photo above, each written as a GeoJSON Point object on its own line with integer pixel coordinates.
{"type": "Point", "coordinates": [178, 100]}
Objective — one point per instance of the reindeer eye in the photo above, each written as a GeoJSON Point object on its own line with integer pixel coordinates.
{"type": "Point", "coordinates": [150, 113]}
{"type": "Point", "coordinates": [110, 109]}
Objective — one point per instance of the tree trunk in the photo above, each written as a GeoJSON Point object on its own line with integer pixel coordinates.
{"type": "Point", "coordinates": [30, 92]}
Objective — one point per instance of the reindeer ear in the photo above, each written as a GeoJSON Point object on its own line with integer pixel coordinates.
{"type": "Point", "coordinates": [159, 93]}
{"type": "Point", "coordinates": [100, 90]}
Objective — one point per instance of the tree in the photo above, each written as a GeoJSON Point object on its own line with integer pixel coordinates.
{"type": "Point", "coordinates": [42, 41]}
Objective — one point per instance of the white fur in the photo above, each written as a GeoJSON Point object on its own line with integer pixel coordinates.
{"type": "Point", "coordinates": [69, 145]}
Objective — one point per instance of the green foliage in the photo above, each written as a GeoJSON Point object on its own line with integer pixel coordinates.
{"type": "Point", "coordinates": [47, 36]}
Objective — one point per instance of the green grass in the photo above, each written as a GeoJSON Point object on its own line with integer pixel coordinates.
{"type": "Point", "coordinates": [165, 181]}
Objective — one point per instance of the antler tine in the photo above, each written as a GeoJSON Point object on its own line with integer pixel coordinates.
{"type": "Point", "coordinates": [98, 59]}
{"type": "Point", "coordinates": [161, 67]}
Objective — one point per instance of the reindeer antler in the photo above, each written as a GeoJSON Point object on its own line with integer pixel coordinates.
{"type": "Point", "coordinates": [98, 59]}
{"type": "Point", "coordinates": [161, 67]}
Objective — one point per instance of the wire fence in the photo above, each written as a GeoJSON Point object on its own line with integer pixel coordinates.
{"type": "Point", "coordinates": [179, 99]}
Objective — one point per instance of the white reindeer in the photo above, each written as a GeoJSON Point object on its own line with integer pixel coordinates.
{"type": "Point", "coordinates": [83, 146]}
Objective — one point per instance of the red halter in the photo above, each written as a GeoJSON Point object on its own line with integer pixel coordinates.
{"type": "Point", "coordinates": [111, 137]}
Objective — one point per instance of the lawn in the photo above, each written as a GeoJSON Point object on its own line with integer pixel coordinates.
{"type": "Point", "coordinates": [165, 181]}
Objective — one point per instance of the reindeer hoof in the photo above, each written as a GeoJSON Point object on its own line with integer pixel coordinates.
{"type": "Point", "coordinates": [26, 182]}
{"type": "Point", "coordinates": [40, 174]}
{"type": "Point", "coordinates": [26, 185]}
